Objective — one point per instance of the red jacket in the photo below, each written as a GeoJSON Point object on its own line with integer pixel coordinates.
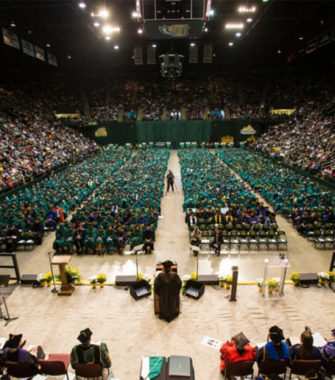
{"type": "Point", "coordinates": [230, 354]}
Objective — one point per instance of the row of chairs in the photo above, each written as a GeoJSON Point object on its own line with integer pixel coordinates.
{"type": "Point", "coordinates": [324, 239]}
{"type": "Point", "coordinates": [307, 368]}
{"type": "Point", "coordinates": [55, 365]}
{"type": "Point", "coordinates": [237, 226]}
{"type": "Point", "coordinates": [251, 240]}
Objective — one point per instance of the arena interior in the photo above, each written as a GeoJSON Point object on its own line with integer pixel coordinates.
{"type": "Point", "coordinates": [99, 100]}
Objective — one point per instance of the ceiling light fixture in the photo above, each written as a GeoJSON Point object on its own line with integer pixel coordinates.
{"type": "Point", "coordinates": [231, 44]}
{"type": "Point", "coordinates": [243, 9]}
{"type": "Point", "coordinates": [249, 19]}
{"type": "Point", "coordinates": [82, 5]}
{"type": "Point", "coordinates": [134, 14]}
{"type": "Point", "coordinates": [107, 38]}
{"type": "Point", "coordinates": [238, 34]}
{"type": "Point", "coordinates": [140, 31]}
{"type": "Point", "coordinates": [192, 44]}
{"type": "Point", "coordinates": [301, 38]}
{"type": "Point", "coordinates": [116, 47]}
{"type": "Point", "coordinates": [12, 24]}
{"type": "Point", "coordinates": [234, 26]}
{"type": "Point", "coordinates": [154, 45]}
{"type": "Point", "coordinates": [47, 44]}
{"type": "Point", "coordinates": [108, 29]}
{"type": "Point", "coordinates": [103, 13]}
{"type": "Point", "coordinates": [69, 56]}
{"type": "Point", "coordinates": [97, 24]}
{"type": "Point", "coordinates": [206, 30]}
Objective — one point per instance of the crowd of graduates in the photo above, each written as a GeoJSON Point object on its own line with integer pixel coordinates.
{"type": "Point", "coordinates": [215, 199]}
{"type": "Point", "coordinates": [306, 202]}
{"type": "Point", "coordinates": [123, 211]}
{"type": "Point", "coordinates": [27, 213]}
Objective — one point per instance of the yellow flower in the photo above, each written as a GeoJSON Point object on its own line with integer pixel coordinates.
{"type": "Point", "coordinates": [194, 276]}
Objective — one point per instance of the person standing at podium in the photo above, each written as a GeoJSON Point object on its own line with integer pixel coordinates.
{"type": "Point", "coordinates": [167, 286]}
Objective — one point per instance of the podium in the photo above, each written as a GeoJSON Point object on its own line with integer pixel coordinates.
{"type": "Point", "coordinates": [66, 288]}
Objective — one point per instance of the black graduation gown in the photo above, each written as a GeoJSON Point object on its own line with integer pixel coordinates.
{"type": "Point", "coordinates": [167, 286]}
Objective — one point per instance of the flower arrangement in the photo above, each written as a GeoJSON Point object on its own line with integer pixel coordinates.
{"type": "Point", "coordinates": [147, 277]}
{"type": "Point", "coordinates": [139, 276]}
{"type": "Point", "coordinates": [259, 282]}
{"type": "Point", "coordinates": [93, 281]}
{"type": "Point", "coordinates": [228, 280]}
{"type": "Point", "coordinates": [194, 276]}
{"type": "Point", "coordinates": [295, 277]}
{"type": "Point", "coordinates": [323, 278]}
{"type": "Point", "coordinates": [331, 276]}
{"type": "Point", "coordinates": [72, 274]}
{"type": "Point", "coordinates": [41, 279]}
{"type": "Point", "coordinates": [101, 278]}
{"type": "Point", "coordinates": [273, 285]}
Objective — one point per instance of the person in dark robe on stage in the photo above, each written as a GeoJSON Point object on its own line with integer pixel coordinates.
{"type": "Point", "coordinates": [167, 287]}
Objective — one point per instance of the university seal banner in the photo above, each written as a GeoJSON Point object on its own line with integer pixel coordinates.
{"type": "Point", "coordinates": [248, 130]}
{"type": "Point", "coordinates": [101, 132]}
{"type": "Point", "coordinates": [175, 30]}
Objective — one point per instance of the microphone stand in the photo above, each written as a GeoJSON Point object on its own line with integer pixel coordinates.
{"type": "Point", "coordinates": [54, 290]}
{"type": "Point", "coordinates": [136, 252]}
{"type": "Point", "coordinates": [197, 270]}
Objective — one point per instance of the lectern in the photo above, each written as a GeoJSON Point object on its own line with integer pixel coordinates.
{"type": "Point", "coordinates": [62, 261]}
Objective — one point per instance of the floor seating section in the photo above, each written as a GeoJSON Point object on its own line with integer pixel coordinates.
{"type": "Point", "coordinates": [309, 206]}
{"type": "Point", "coordinates": [219, 198]}
{"type": "Point", "coordinates": [67, 188]}
{"type": "Point", "coordinates": [128, 198]}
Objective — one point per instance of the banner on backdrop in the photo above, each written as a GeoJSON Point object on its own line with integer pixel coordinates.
{"type": "Point", "coordinates": [151, 55]}
{"type": "Point", "coordinates": [101, 132]}
{"type": "Point", "coordinates": [39, 53]}
{"type": "Point", "coordinates": [247, 130]}
{"type": "Point", "coordinates": [138, 55]}
{"type": "Point", "coordinates": [227, 139]}
{"type": "Point", "coordinates": [10, 38]}
{"type": "Point", "coordinates": [52, 60]}
{"type": "Point", "coordinates": [208, 53]}
{"type": "Point", "coordinates": [193, 54]}
{"type": "Point", "coordinates": [28, 48]}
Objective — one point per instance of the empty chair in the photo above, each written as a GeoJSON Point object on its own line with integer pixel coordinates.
{"type": "Point", "coordinates": [88, 371]}
{"type": "Point", "coordinates": [239, 369]}
{"type": "Point", "coordinates": [272, 367]}
{"type": "Point", "coordinates": [55, 365]}
{"type": "Point", "coordinates": [302, 367]}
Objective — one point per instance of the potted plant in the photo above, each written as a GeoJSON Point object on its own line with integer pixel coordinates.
{"type": "Point", "coordinates": [272, 285]}
{"type": "Point", "coordinates": [323, 278]}
{"type": "Point", "coordinates": [41, 279]}
{"type": "Point", "coordinates": [48, 278]}
{"type": "Point", "coordinates": [72, 274]}
{"type": "Point", "coordinates": [101, 278]}
{"type": "Point", "coordinates": [194, 276]}
{"type": "Point", "coordinates": [331, 276]}
{"type": "Point", "coordinates": [228, 280]}
{"type": "Point", "coordinates": [93, 281]}
{"type": "Point", "coordinates": [259, 284]}
{"type": "Point", "coordinates": [295, 277]}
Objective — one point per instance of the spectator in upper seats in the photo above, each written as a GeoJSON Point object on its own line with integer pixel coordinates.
{"type": "Point", "coordinates": [328, 350]}
{"type": "Point", "coordinates": [88, 353]}
{"type": "Point", "coordinates": [276, 348]}
{"type": "Point", "coordinates": [305, 350]}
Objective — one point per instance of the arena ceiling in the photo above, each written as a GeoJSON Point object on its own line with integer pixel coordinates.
{"type": "Point", "coordinates": [278, 28]}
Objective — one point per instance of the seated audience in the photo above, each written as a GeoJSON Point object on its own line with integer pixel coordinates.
{"type": "Point", "coordinates": [328, 350]}
{"type": "Point", "coordinates": [305, 350]}
{"type": "Point", "coordinates": [276, 348]}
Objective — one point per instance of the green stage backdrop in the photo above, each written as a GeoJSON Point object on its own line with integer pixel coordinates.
{"type": "Point", "coordinates": [174, 131]}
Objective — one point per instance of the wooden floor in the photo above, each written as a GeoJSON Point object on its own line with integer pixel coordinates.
{"type": "Point", "coordinates": [130, 328]}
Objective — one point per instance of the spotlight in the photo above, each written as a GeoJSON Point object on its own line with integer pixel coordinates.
{"type": "Point", "coordinates": [107, 38]}
{"type": "Point", "coordinates": [69, 56]}
{"type": "Point", "coordinates": [249, 19]}
{"type": "Point", "coordinates": [154, 45]}
{"type": "Point", "coordinates": [206, 30]}
{"type": "Point", "coordinates": [231, 44]}
{"type": "Point", "coordinates": [134, 14]}
{"type": "Point", "coordinates": [47, 44]}
{"type": "Point", "coordinates": [12, 24]}
{"type": "Point", "coordinates": [279, 51]}
{"type": "Point", "coordinates": [211, 12]}
{"type": "Point", "coordinates": [108, 29]}
{"type": "Point", "coordinates": [301, 38]}
{"type": "Point", "coordinates": [238, 34]}
{"type": "Point", "coordinates": [192, 44]}
{"type": "Point", "coordinates": [97, 24]}
{"type": "Point", "coordinates": [140, 31]}
{"type": "Point", "coordinates": [231, 25]}
{"type": "Point", "coordinates": [116, 47]}
{"type": "Point", "coordinates": [82, 5]}
{"type": "Point", "coordinates": [103, 13]}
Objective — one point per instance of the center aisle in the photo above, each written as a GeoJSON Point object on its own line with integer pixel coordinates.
{"type": "Point", "coordinates": [172, 232]}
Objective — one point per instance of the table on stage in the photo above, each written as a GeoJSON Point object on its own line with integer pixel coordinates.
{"type": "Point", "coordinates": [62, 261]}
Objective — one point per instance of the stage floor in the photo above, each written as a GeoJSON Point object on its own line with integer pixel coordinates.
{"type": "Point", "coordinates": [131, 330]}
